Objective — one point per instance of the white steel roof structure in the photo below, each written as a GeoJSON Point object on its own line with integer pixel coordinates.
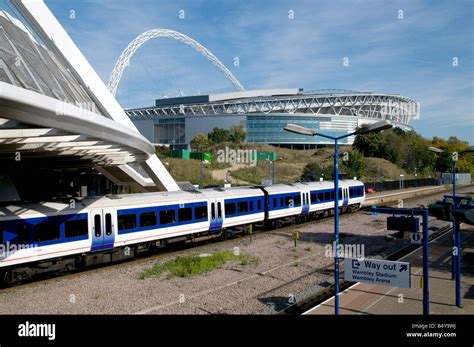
{"type": "Point", "coordinates": [367, 106]}
{"type": "Point", "coordinates": [53, 104]}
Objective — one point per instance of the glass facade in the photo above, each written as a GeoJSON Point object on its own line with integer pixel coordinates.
{"type": "Point", "coordinates": [269, 129]}
{"type": "Point", "coordinates": [170, 131]}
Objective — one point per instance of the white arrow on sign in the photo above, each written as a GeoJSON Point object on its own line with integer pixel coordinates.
{"type": "Point", "coordinates": [416, 238]}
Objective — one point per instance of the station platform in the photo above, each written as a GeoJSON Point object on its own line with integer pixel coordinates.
{"type": "Point", "coordinates": [384, 197]}
{"type": "Point", "coordinates": [363, 298]}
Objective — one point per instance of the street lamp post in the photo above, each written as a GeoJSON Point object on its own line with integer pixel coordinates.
{"type": "Point", "coordinates": [379, 126]}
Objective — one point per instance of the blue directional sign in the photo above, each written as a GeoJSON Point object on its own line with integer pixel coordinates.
{"type": "Point", "coordinates": [374, 271]}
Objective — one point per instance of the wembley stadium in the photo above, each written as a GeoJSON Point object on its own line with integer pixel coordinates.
{"type": "Point", "coordinates": [264, 113]}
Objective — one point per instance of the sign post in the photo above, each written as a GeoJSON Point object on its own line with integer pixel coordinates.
{"type": "Point", "coordinates": [424, 215]}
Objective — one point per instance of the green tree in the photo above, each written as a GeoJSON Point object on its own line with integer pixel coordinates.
{"type": "Point", "coordinates": [237, 134]}
{"type": "Point", "coordinates": [200, 143]}
{"type": "Point", "coordinates": [369, 145]}
{"type": "Point", "coordinates": [219, 135]}
{"type": "Point", "coordinates": [354, 164]}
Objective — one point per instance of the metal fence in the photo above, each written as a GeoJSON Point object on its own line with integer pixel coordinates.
{"type": "Point", "coordinates": [392, 185]}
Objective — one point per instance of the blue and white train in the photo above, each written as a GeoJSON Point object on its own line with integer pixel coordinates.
{"type": "Point", "coordinates": [55, 236]}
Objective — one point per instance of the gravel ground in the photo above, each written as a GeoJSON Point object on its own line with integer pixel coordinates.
{"type": "Point", "coordinates": [284, 274]}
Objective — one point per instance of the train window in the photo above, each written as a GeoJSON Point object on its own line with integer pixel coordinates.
{"type": "Point", "coordinates": [108, 224]}
{"type": "Point", "coordinates": [126, 221]}
{"type": "Point", "coordinates": [1, 235]}
{"type": "Point", "coordinates": [213, 211]}
{"type": "Point", "coordinates": [219, 210]}
{"type": "Point", "coordinates": [46, 231]}
{"type": "Point", "coordinates": [200, 212]}
{"type": "Point", "coordinates": [185, 214]}
{"type": "Point", "coordinates": [289, 201]}
{"type": "Point", "coordinates": [282, 202]}
{"type": "Point", "coordinates": [297, 200]}
{"type": "Point", "coordinates": [327, 196]}
{"type": "Point", "coordinates": [275, 204]}
{"type": "Point", "coordinates": [314, 198]}
{"type": "Point", "coordinates": [259, 205]}
{"type": "Point", "coordinates": [75, 228]}
{"type": "Point", "coordinates": [320, 197]}
{"type": "Point", "coordinates": [147, 219]}
{"type": "Point", "coordinates": [229, 208]}
{"type": "Point", "coordinates": [167, 217]}
{"type": "Point", "coordinates": [23, 234]}
{"type": "Point", "coordinates": [332, 195]}
{"type": "Point", "coordinates": [340, 194]}
{"type": "Point", "coordinates": [242, 207]}
{"type": "Point", "coordinates": [250, 206]}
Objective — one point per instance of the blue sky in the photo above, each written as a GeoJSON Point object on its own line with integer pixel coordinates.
{"type": "Point", "coordinates": [412, 56]}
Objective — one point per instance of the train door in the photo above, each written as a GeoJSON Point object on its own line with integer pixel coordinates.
{"type": "Point", "coordinates": [216, 214]}
{"type": "Point", "coordinates": [102, 224]}
{"type": "Point", "coordinates": [305, 202]}
{"type": "Point", "coordinates": [345, 196]}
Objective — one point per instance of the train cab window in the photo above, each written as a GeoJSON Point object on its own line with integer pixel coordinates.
{"type": "Point", "coordinates": [185, 214]}
{"type": "Point", "coordinates": [219, 210]}
{"type": "Point", "coordinates": [229, 208]}
{"type": "Point", "coordinates": [200, 212]}
{"type": "Point", "coordinates": [108, 224]}
{"type": "Point", "coordinates": [75, 228]}
{"type": "Point", "coordinates": [167, 217]}
{"type": "Point", "coordinates": [297, 200]}
{"type": "Point", "coordinates": [259, 205]}
{"type": "Point", "coordinates": [126, 222]}
{"type": "Point", "coordinates": [242, 207]}
{"type": "Point", "coordinates": [147, 219]}
{"type": "Point", "coordinates": [46, 231]}
{"type": "Point", "coordinates": [250, 206]}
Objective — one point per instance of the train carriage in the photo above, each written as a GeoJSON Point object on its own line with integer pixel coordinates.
{"type": "Point", "coordinates": [56, 236]}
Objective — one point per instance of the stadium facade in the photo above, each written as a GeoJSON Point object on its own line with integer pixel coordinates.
{"type": "Point", "coordinates": [264, 113]}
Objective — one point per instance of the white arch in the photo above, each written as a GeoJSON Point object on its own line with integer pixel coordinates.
{"type": "Point", "coordinates": [124, 58]}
